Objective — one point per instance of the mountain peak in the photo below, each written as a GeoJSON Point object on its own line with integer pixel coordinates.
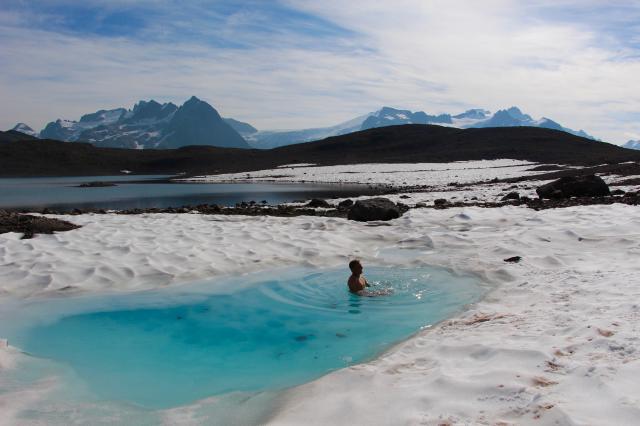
{"type": "Point", "coordinates": [198, 123]}
{"type": "Point", "coordinates": [515, 112]}
{"type": "Point", "coordinates": [632, 145]}
{"type": "Point", "coordinates": [24, 128]}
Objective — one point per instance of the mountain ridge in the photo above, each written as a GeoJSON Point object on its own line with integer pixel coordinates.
{"type": "Point", "coordinates": [388, 116]}
{"type": "Point", "coordinates": [149, 124]}
{"type": "Point", "coordinates": [632, 145]}
{"type": "Point", "coordinates": [392, 144]}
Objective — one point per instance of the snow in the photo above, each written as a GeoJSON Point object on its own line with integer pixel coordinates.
{"type": "Point", "coordinates": [431, 174]}
{"type": "Point", "coordinates": [284, 166]}
{"type": "Point", "coordinates": [554, 342]}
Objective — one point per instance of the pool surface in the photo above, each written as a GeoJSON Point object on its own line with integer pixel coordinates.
{"type": "Point", "coordinates": [169, 348]}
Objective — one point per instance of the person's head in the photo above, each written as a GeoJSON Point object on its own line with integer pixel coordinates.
{"type": "Point", "coordinates": [356, 267]}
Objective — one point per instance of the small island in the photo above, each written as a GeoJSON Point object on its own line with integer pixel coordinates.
{"type": "Point", "coordinates": [96, 184]}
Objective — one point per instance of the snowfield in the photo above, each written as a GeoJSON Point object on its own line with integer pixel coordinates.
{"type": "Point", "coordinates": [555, 342]}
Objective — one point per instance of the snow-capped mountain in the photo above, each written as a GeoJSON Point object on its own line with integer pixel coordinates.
{"type": "Point", "coordinates": [632, 145]}
{"type": "Point", "coordinates": [266, 139]}
{"type": "Point", "coordinates": [387, 116]}
{"type": "Point", "coordinates": [149, 125]}
{"type": "Point", "coordinates": [513, 117]}
{"type": "Point", "coordinates": [23, 128]}
{"type": "Point", "coordinates": [391, 117]}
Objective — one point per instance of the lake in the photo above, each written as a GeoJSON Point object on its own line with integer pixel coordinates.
{"type": "Point", "coordinates": [63, 193]}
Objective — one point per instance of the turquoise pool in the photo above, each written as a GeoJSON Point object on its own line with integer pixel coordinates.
{"type": "Point", "coordinates": [168, 348]}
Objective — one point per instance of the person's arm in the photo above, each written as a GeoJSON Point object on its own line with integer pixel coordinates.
{"type": "Point", "coordinates": [366, 283]}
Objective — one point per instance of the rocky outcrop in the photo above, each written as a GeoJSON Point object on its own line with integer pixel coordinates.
{"type": "Point", "coordinates": [574, 186]}
{"type": "Point", "coordinates": [29, 225]}
{"type": "Point", "coordinates": [374, 209]}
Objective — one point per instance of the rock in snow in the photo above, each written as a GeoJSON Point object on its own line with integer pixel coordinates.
{"type": "Point", "coordinates": [574, 186]}
{"type": "Point", "coordinates": [374, 209]}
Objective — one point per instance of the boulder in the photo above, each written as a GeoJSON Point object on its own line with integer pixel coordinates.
{"type": "Point", "coordinates": [374, 209]}
{"type": "Point", "coordinates": [574, 186]}
{"type": "Point", "coordinates": [511, 196]}
{"type": "Point", "coordinates": [318, 202]}
{"type": "Point", "coordinates": [345, 204]}
{"type": "Point", "coordinates": [440, 202]}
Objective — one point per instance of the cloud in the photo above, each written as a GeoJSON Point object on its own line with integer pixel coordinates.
{"type": "Point", "coordinates": [302, 63]}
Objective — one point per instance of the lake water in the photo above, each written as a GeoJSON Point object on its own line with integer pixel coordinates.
{"type": "Point", "coordinates": [63, 193]}
{"type": "Point", "coordinates": [171, 347]}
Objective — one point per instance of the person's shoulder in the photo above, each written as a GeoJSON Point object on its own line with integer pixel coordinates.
{"type": "Point", "coordinates": [352, 282]}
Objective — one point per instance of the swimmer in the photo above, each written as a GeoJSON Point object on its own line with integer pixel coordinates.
{"type": "Point", "coordinates": [356, 281]}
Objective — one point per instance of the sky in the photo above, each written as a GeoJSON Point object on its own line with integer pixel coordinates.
{"type": "Point", "coordinates": [287, 64]}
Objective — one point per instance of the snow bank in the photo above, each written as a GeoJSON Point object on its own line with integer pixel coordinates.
{"type": "Point", "coordinates": [555, 342]}
{"type": "Point", "coordinates": [431, 174]}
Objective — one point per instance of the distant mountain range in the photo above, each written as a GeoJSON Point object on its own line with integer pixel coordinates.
{"type": "Point", "coordinates": [413, 143]}
{"type": "Point", "coordinates": [153, 125]}
{"type": "Point", "coordinates": [632, 145]}
{"type": "Point", "coordinates": [148, 125]}
{"type": "Point", "coordinates": [386, 116]}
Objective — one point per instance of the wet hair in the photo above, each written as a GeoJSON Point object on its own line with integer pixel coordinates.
{"type": "Point", "coordinates": [353, 264]}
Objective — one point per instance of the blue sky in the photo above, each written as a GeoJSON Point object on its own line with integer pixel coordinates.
{"type": "Point", "coordinates": [302, 63]}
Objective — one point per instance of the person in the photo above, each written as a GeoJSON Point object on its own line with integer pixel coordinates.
{"type": "Point", "coordinates": [356, 281]}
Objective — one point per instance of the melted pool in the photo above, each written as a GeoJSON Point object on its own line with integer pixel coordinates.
{"type": "Point", "coordinates": [165, 348]}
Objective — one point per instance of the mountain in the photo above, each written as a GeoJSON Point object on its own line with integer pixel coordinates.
{"type": "Point", "coordinates": [632, 145]}
{"type": "Point", "coordinates": [391, 117]}
{"type": "Point", "coordinates": [245, 129]}
{"type": "Point", "coordinates": [198, 123]}
{"type": "Point", "coordinates": [267, 139]}
{"type": "Point", "coordinates": [513, 117]}
{"type": "Point", "coordinates": [390, 144]}
{"type": "Point", "coordinates": [25, 129]}
{"type": "Point", "coordinates": [387, 116]}
{"type": "Point", "coordinates": [149, 124]}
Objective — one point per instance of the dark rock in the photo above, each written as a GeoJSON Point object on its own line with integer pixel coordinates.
{"type": "Point", "coordinates": [618, 192]}
{"type": "Point", "coordinates": [440, 202]}
{"type": "Point", "coordinates": [574, 186]}
{"type": "Point", "coordinates": [318, 202]}
{"type": "Point", "coordinates": [30, 225]}
{"type": "Point", "coordinates": [511, 196]}
{"type": "Point", "coordinates": [404, 197]}
{"type": "Point", "coordinates": [420, 205]}
{"type": "Point", "coordinates": [345, 204]}
{"type": "Point", "coordinates": [514, 259]}
{"type": "Point", "coordinates": [374, 209]}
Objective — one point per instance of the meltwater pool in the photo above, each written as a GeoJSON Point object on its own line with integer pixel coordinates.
{"type": "Point", "coordinates": [168, 348]}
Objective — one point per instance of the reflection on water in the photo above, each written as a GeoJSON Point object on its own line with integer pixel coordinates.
{"type": "Point", "coordinates": [63, 193]}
